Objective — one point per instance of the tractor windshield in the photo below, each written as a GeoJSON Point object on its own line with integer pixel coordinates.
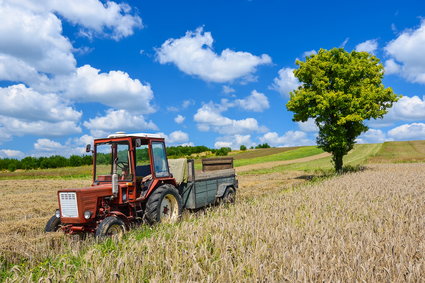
{"type": "Point", "coordinates": [110, 155]}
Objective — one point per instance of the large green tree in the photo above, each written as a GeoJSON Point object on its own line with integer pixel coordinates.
{"type": "Point", "coordinates": [340, 90]}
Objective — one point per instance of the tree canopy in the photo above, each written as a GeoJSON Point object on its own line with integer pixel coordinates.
{"type": "Point", "coordinates": [340, 90]}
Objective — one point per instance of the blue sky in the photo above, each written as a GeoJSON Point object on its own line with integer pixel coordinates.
{"type": "Point", "coordinates": [214, 73]}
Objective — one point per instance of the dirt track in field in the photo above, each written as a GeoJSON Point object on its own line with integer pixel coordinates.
{"type": "Point", "coordinates": [271, 164]}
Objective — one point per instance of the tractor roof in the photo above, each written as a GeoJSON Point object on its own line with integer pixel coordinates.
{"type": "Point", "coordinates": [137, 135]}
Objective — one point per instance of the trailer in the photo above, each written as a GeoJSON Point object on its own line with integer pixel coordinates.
{"type": "Point", "coordinates": [134, 182]}
{"type": "Point", "coordinates": [213, 185]}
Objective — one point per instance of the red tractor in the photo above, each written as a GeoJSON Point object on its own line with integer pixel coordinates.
{"type": "Point", "coordinates": [133, 183]}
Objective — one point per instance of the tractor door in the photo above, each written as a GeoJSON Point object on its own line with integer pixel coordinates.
{"type": "Point", "coordinates": [160, 162]}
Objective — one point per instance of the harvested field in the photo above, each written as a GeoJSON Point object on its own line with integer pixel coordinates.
{"type": "Point", "coordinates": [405, 151]}
{"type": "Point", "coordinates": [26, 205]}
{"type": "Point", "coordinates": [365, 226]}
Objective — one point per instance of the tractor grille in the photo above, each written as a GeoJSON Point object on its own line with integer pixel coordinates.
{"type": "Point", "coordinates": [68, 202]}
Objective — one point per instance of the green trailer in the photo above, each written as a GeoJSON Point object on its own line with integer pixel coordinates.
{"type": "Point", "coordinates": [214, 184]}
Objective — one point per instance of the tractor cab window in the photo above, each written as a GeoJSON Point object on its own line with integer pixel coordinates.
{"type": "Point", "coordinates": [143, 162]}
{"type": "Point", "coordinates": [160, 159]}
{"type": "Point", "coordinates": [112, 155]}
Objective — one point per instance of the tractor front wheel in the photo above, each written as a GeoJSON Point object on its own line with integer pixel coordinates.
{"type": "Point", "coordinates": [164, 205]}
{"type": "Point", "coordinates": [53, 225]}
{"type": "Point", "coordinates": [110, 226]}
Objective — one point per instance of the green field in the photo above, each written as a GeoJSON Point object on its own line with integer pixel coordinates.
{"type": "Point", "coordinates": [53, 173]}
{"type": "Point", "coordinates": [358, 155]}
{"type": "Point", "coordinates": [408, 151]}
{"type": "Point", "coordinates": [285, 155]}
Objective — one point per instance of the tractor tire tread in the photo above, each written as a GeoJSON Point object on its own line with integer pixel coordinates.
{"type": "Point", "coordinates": [52, 225]}
{"type": "Point", "coordinates": [103, 227]}
{"type": "Point", "coordinates": [152, 205]}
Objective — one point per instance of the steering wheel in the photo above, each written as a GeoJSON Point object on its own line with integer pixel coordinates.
{"type": "Point", "coordinates": [122, 165]}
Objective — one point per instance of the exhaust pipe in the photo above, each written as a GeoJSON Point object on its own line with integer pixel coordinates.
{"type": "Point", "coordinates": [115, 185]}
{"type": "Point", "coordinates": [115, 179]}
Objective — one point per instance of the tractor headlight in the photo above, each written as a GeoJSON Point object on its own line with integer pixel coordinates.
{"type": "Point", "coordinates": [58, 213]}
{"type": "Point", "coordinates": [87, 214]}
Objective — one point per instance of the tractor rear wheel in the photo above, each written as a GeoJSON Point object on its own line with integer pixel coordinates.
{"type": "Point", "coordinates": [164, 205]}
{"type": "Point", "coordinates": [110, 226]}
{"type": "Point", "coordinates": [229, 195]}
{"type": "Point", "coordinates": [53, 225]}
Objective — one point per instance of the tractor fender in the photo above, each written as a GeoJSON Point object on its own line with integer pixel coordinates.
{"type": "Point", "coordinates": [222, 189]}
{"type": "Point", "coordinates": [120, 215]}
{"type": "Point", "coordinates": [156, 184]}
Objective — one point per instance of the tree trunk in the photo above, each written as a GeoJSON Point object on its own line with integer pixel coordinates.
{"type": "Point", "coordinates": [337, 160]}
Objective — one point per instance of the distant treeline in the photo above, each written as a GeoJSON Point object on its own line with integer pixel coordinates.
{"type": "Point", "coordinates": [182, 151]}
{"type": "Point", "coordinates": [55, 161]}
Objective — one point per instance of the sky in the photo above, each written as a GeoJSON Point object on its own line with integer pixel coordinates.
{"type": "Point", "coordinates": [214, 73]}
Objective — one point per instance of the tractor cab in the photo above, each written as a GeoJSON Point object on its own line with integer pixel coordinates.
{"type": "Point", "coordinates": [127, 169]}
{"type": "Point", "coordinates": [129, 161]}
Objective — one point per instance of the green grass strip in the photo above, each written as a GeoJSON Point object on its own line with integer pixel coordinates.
{"type": "Point", "coordinates": [287, 155]}
{"type": "Point", "coordinates": [358, 155]}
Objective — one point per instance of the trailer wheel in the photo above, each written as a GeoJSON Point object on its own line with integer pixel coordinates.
{"type": "Point", "coordinates": [164, 205]}
{"type": "Point", "coordinates": [229, 195]}
{"type": "Point", "coordinates": [110, 226]}
{"type": "Point", "coordinates": [53, 225]}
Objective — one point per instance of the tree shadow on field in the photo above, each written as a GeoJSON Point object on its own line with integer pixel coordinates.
{"type": "Point", "coordinates": [321, 174]}
{"type": "Point", "coordinates": [306, 177]}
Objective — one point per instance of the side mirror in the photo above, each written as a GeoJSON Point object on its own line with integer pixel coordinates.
{"type": "Point", "coordinates": [88, 148]}
{"type": "Point", "coordinates": [138, 142]}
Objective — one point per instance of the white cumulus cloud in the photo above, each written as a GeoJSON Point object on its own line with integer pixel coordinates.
{"type": "Point", "coordinates": [48, 145]}
{"type": "Point", "coordinates": [309, 53]}
{"type": "Point", "coordinates": [209, 118]}
{"type": "Point", "coordinates": [114, 89]}
{"type": "Point", "coordinates": [117, 120]}
{"type": "Point", "coordinates": [391, 67]}
{"type": "Point", "coordinates": [227, 89]}
{"type": "Point", "coordinates": [290, 138]}
{"type": "Point", "coordinates": [406, 109]}
{"type": "Point", "coordinates": [11, 153]}
{"type": "Point", "coordinates": [285, 82]}
{"type": "Point", "coordinates": [94, 17]}
{"type": "Point", "coordinates": [179, 119]}
{"type": "Point", "coordinates": [74, 146]}
{"type": "Point", "coordinates": [176, 138]}
{"type": "Point", "coordinates": [17, 127]}
{"type": "Point", "coordinates": [413, 131]}
{"type": "Point", "coordinates": [308, 126]}
{"type": "Point", "coordinates": [407, 51]}
{"type": "Point", "coordinates": [34, 43]}
{"type": "Point", "coordinates": [372, 136]}
{"type": "Point", "coordinates": [21, 102]}
{"type": "Point", "coordinates": [193, 54]}
{"type": "Point", "coordinates": [234, 142]}
{"type": "Point", "coordinates": [369, 46]}
{"type": "Point", "coordinates": [256, 102]}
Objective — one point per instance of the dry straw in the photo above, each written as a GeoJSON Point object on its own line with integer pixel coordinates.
{"type": "Point", "coordinates": [366, 226]}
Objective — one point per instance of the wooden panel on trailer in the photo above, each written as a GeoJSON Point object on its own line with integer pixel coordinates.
{"type": "Point", "coordinates": [212, 164]}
